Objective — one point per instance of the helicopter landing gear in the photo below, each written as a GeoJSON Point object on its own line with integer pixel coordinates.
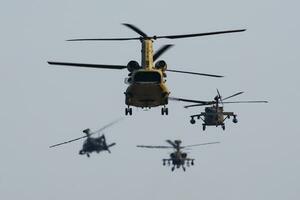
{"type": "Point", "coordinates": [81, 152]}
{"type": "Point", "coordinates": [192, 121]}
{"type": "Point", "coordinates": [223, 127]}
{"type": "Point", "coordinates": [183, 168]}
{"type": "Point", "coordinates": [192, 163]}
{"type": "Point", "coordinates": [164, 162]}
{"type": "Point", "coordinates": [164, 110]}
{"type": "Point", "coordinates": [235, 120]}
{"type": "Point", "coordinates": [128, 111]}
{"type": "Point", "coordinates": [173, 168]}
{"type": "Point", "coordinates": [88, 155]}
{"type": "Point", "coordinates": [203, 127]}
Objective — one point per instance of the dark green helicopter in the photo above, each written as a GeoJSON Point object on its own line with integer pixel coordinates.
{"type": "Point", "coordinates": [92, 144]}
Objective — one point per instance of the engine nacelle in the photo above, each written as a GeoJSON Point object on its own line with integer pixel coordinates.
{"type": "Point", "coordinates": [133, 65]}
{"type": "Point", "coordinates": [162, 65]}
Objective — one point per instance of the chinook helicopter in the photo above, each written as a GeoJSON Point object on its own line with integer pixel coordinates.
{"type": "Point", "coordinates": [92, 144]}
{"type": "Point", "coordinates": [147, 87]}
{"type": "Point", "coordinates": [178, 158]}
{"type": "Point", "coordinates": [214, 115]}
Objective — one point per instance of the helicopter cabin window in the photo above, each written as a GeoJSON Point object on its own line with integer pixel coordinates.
{"type": "Point", "coordinates": [147, 77]}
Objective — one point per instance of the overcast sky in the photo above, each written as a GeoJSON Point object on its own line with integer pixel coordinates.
{"type": "Point", "coordinates": [258, 158]}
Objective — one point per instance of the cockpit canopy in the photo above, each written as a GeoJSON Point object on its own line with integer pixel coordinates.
{"type": "Point", "coordinates": [147, 77]}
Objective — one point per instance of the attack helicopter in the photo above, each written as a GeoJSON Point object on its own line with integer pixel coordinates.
{"type": "Point", "coordinates": [147, 87]}
{"type": "Point", "coordinates": [92, 144]}
{"type": "Point", "coordinates": [178, 158]}
{"type": "Point", "coordinates": [214, 115]}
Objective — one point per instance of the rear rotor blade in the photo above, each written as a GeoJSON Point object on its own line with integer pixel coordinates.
{"type": "Point", "coordinates": [246, 102]}
{"type": "Point", "coordinates": [193, 145]}
{"type": "Point", "coordinates": [160, 51]}
{"type": "Point", "coordinates": [239, 93]}
{"type": "Point", "coordinates": [154, 147]}
{"type": "Point", "coordinates": [197, 34]}
{"type": "Point", "coordinates": [136, 29]}
{"type": "Point", "coordinates": [194, 73]}
{"type": "Point", "coordinates": [88, 65]}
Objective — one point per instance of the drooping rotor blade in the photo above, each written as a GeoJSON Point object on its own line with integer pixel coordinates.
{"type": "Point", "coordinates": [193, 145]}
{"type": "Point", "coordinates": [189, 100]}
{"type": "Point", "coordinates": [172, 143]}
{"type": "Point", "coordinates": [246, 102]}
{"type": "Point", "coordinates": [136, 29]}
{"type": "Point", "coordinates": [154, 147]}
{"type": "Point", "coordinates": [88, 65]}
{"type": "Point", "coordinates": [194, 73]}
{"type": "Point", "coordinates": [160, 51]}
{"type": "Point", "coordinates": [219, 96]}
{"type": "Point", "coordinates": [104, 39]}
{"type": "Point", "coordinates": [98, 131]}
{"type": "Point", "coordinates": [197, 34]}
{"type": "Point", "coordinates": [233, 95]}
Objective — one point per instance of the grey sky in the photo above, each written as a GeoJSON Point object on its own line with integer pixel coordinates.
{"type": "Point", "coordinates": [258, 158]}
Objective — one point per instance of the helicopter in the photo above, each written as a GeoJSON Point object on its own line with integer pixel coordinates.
{"type": "Point", "coordinates": [214, 115]}
{"type": "Point", "coordinates": [147, 80]}
{"type": "Point", "coordinates": [92, 144]}
{"type": "Point", "coordinates": [178, 158]}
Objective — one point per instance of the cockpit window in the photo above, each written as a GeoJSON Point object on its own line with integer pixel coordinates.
{"type": "Point", "coordinates": [146, 77]}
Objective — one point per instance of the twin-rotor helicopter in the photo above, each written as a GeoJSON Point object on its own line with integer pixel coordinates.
{"type": "Point", "coordinates": [147, 80]}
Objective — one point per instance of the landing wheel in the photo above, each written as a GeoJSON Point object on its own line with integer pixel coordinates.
{"type": "Point", "coordinates": [173, 168]}
{"type": "Point", "coordinates": [235, 120]}
{"type": "Point", "coordinates": [88, 155]}
{"type": "Point", "coordinates": [192, 163]}
{"type": "Point", "coordinates": [223, 127]}
{"type": "Point", "coordinates": [128, 111]}
{"type": "Point", "coordinates": [192, 121]}
{"type": "Point", "coordinates": [203, 127]}
{"type": "Point", "coordinates": [183, 168]}
{"type": "Point", "coordinates": [164, 111]}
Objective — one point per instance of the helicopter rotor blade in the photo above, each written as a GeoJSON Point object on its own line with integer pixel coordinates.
{"type": "Point", "coordinates": [55, 145]}
{"type": "Point", "coordinates": [200, 104]}
{"type": "Point", "coordinates": [188, 100]}
{"type": "Point", "coordinates": [162, 50]}
{"type": "Point", "coordinates": [88, 65]}
{"type": "Point", "coordinates": [104, 39]}
{"type": "Point", "coordinates": [197, 34]}
{"type": "Point", "coordinates": [236, 94]}
{"type": "Point", "coordinates": [106, 126]}
{"type": "Point", "coordinates": [136, 29]}
{"type": "Point", "coordinates": [154, 147]}
{"type": "Point", "coordinates": [195, 73]}
{"type": "Point", "coordinates": [171, 143]}
{"type": "Point", "coordinates": [246, 102]}
{"type": "Point", "coordinates": [194, 145]}
{"type": "Point", "coordinates": [98, 131]}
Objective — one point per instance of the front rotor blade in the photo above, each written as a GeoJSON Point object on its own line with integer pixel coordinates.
{"type": "Point", "coordinates": [193, 145]}
{"type": "Point", "coordinates": [154, 147]}
{"type": "Point", "coordinates": [136, 29]}
{"type": "Point", "coordinates": [105, 39]}
{"type": "Point", "coordinates": [197, 34]}
{"type": "Point", "coordinates": [188, 100]}
{"type": "Point", "coordinates": [160, 51]}
{"type": "Point", "coordinates": [88, 65]}
{"type": "Point", "coordinates": [246, 102]}
{"type": "Point", "coordinates": [194, 73]}
{"type": "Point", "coordinates": [233, 95]}
{"type": "Point", "coordinates": [68, 141]}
